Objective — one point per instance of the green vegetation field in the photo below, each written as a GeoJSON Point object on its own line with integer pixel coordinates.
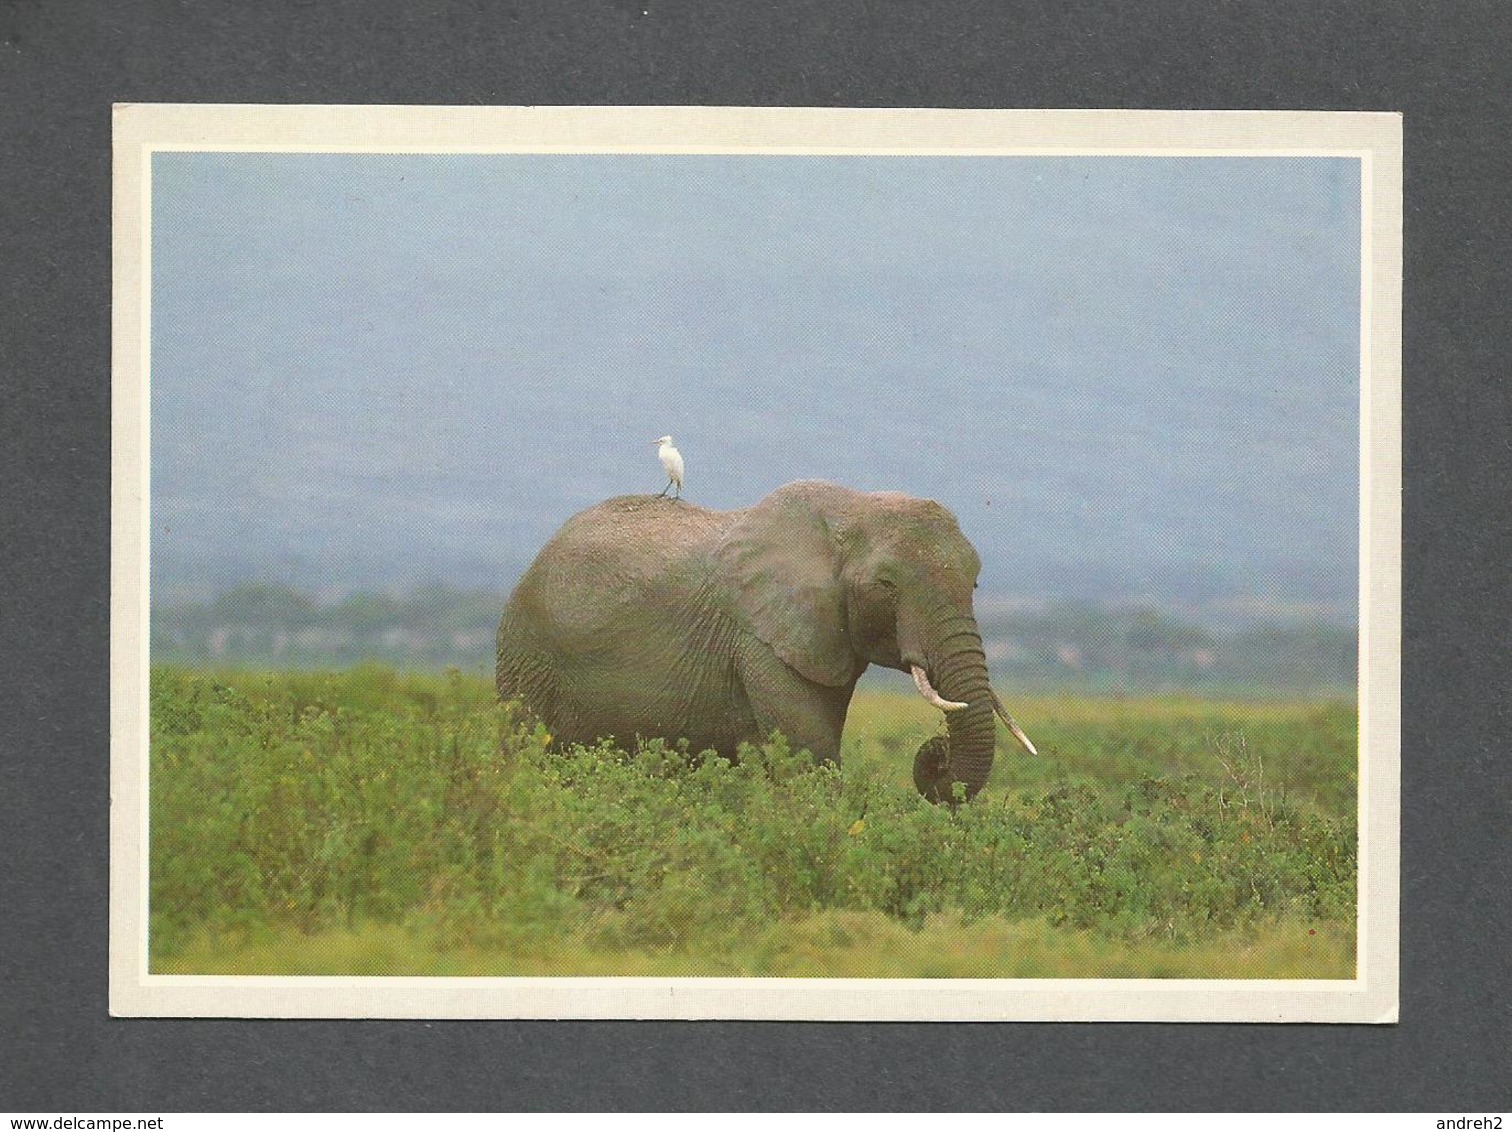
{"type": "Point", "coordinates": [368, 822]}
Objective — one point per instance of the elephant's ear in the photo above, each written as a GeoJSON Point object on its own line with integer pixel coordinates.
{"type": "Point", "coordinates": [781, 567]}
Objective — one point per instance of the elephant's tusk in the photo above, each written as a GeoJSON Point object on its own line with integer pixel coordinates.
{"type": "Point", "coordinates": [922, 683]}
{"type": "Point", "coordinates": [1018, 732]}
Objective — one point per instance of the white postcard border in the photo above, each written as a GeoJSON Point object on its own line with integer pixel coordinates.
{"type": "Point", "coordinates": [1374, 138]}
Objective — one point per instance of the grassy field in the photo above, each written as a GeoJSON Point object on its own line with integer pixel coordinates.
{"type": "Point", "coordinates": [367, 822]}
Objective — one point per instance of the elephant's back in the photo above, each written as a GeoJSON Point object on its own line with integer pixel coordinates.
{"type": "Point", "coordinates": [614, 559]}
{"type": "Point", "coordinates": [633, 525]}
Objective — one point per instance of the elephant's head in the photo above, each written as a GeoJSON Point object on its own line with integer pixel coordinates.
{"type": "Point", "coordinates": [834, 580]}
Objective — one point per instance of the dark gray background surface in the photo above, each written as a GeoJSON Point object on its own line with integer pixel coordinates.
{"type": "Point", "coordinates": [62, 65]}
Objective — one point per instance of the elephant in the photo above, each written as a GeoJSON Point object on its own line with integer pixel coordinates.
{"type": "Point", "coordinates": [652, 617]}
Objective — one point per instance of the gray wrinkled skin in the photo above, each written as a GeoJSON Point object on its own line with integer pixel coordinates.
{"type": "Point", "coordinates": [650, 617]}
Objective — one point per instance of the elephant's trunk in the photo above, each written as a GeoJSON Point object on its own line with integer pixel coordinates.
{"type": "Point", "coordinates": [958, 669]}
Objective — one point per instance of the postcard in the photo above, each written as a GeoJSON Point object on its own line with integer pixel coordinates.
{"type": "Point", "coordinates": [755, 563]}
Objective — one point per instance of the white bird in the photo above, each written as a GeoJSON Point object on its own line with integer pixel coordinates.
{"type": "Point", "coordinates": [672, 462]}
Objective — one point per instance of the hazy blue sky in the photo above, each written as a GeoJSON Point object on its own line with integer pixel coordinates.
{"type": "Point", "coordinates": [382, 370]}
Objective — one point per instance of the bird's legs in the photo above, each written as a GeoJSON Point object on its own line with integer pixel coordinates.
{"type": "Point", "coordinates": [663, 492]}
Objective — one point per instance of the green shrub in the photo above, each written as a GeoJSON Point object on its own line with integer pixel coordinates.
{"type": "Point", "coordinates": [316, 802]}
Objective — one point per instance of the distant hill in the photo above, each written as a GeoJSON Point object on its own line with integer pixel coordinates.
{"type": "Point", "coordinates": [1132, 380]}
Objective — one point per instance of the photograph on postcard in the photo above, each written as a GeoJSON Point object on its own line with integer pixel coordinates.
{"type": "Point", "coordinates": [743, 564]}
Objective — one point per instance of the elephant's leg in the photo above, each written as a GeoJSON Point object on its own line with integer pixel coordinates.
{"type": "Point", "coordinates": [810, 715]}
